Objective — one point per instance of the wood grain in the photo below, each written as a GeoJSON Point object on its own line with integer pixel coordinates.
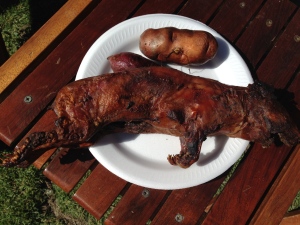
{"type": "Point", "coordinates": [98, 191]}
{"type": "Point", "coordinates": [40, 41]}
{"type": "Point", "coordinates": [280, 195]}
{"type": "Point", "coordinates": [233, 17]}
{"type": "Point", "coordinates": [136, 206]}
{"type": "Point", "coordinates": [258, 37]}
{"type": "Point", "coordinates": [247, 186]}
{"type": "Point", "coordinates": [284, 59]}
{"type": "Point", "coordinates": [188, 203]}
{"type": "Point", "coordinates": [149, 7]}
{"type": "Point", "coordinates": [68, 167]}
{"type": "Point", "coordinates": [201, 10]}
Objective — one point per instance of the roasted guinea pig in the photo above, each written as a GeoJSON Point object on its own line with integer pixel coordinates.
{"type": "Point", "coordinates": [161, 100]}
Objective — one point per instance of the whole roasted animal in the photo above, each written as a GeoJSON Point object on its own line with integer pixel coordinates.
{"type": "Point", "coordinates": [161, 100]}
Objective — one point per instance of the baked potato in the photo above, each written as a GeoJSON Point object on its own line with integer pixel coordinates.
{"type": "Point", "coordinates": [179, 46]}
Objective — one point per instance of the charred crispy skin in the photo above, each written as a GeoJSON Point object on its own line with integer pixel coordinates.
{"type": "Point", "coordinates": [162, 100]}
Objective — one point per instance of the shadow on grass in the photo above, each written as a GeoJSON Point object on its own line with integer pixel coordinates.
{"type": "Point", "coordinates": [43, 10]}
{"type": "Point", "coordinates": [40, 10]}
{"type": "Point", "coordinates": [4, 4]}
{"type": "Point", "coordinates": [20, 19]}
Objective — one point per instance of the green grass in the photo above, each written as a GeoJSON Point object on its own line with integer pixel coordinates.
{"type": "Point", "coordinates": [15, 24]}
{"type": "Point", "coordinates": [26, 195]}
{"type": "Point", "coordinates": [23, 199]}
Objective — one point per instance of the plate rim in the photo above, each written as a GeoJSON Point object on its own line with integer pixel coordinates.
{"type": "Point", "coordinates": [93, 47]}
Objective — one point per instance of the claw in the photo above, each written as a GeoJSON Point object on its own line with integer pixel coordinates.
{"type": "Point", "coordinates": [190, 151]}
{"type": "Point", "coordinates": [183, 160]}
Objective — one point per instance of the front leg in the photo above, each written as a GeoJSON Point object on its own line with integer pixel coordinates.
{"type": "Point", "coordinates": [191, 145]}
{"type": "Point", "coordinates": [39, 141]}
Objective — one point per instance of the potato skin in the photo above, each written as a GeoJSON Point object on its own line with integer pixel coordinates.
{"type": "Point", "coordinates": [179, 46]}
{"type": "Point", "coordinates": [127, 60]}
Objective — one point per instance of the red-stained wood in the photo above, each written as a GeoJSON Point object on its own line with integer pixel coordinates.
{"type": "Point", "coordinates": [58, 68]}
{"type": "Point", "coordinates": [68, 167]}
{"type": "Point", "coordinates": [284, 59]}
{"type": "Point", "coordinates": [294, 103]}
{"type": "Point", "coordinates": [263, 29]}
{"type": "Point", "coordinates": [18, 114]}
{"type": "Point", "coordinates": [136, 206]}
{"type": "Point", "coordinates": [201, 10]}
{"type": "Point", "coordinates": [43, 158]}
{"type": "Point", "coordinates": [247, 186]}
{"type": "Point", "coordinates": [233, 16]}
{"type": "Point", "coordinates": [187, 205]}
{"type": "Point", "coordinates": [98, 191]}
{"type": "Point", "coordinates": [149, 7]}
{"type": "Point", "coordinates": [280, 195]}
{"type": "Point", "coordinates": [294, 88]}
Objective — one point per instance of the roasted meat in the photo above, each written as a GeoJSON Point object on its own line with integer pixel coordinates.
{"type": "Point", "coordinates": [161, 100]}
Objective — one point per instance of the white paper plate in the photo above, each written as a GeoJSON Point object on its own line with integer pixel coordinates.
{"type": "Point", "coordinates": [142, 159]}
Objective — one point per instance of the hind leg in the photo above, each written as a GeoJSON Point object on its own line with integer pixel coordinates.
{"type": "Point", "coordinates": [190, 150]}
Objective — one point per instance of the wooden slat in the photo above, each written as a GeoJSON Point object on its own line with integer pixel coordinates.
{"type": "Point", "coordinates": [201, 10]}
{"type": "Point", "coordinates": [98, 191]}
{"type": "Point", "coordinates": [285, 54]}
{"type": "Point", "coordinates": [294, 88]}
{"type": "Point", "coordinates": [57, 69]}
{"type": "Point", "coordinates": [150, 7]}
{"type": "Point", "coordinates": [136, 206]}
{"type": "Point", "coordinates": [292, 218]}
{"type": "Point", "coordinates": [16, 114]}
{"type": "Point", "coordinates": [41, 40]}
{"type": "Point", "coordinates": [233, 16]}
{"type": "Point", "coordinates": [247, 186]}
{"type": "Point", "coordinates": [43, 158]}
{"type": "Point", "coordinates": [187, 205]}
{"type": "Point", "coordinates": [266, 25]}
{"type": "Point", "coordinates": [280, 196]}
{"type": "Point", "coordinates": [294, 109]}
{"type": "Point", "coordinates": [68, 167]}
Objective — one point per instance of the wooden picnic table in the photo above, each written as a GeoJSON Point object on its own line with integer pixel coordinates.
{"type": "Point", "coordinates": [266, 33]}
